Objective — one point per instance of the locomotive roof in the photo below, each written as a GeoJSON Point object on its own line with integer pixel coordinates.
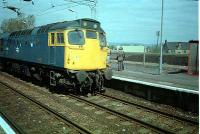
{"type": "Point", "coordinates": [80, 23]}
{"type": "Point", "coordinates": [75, 24]}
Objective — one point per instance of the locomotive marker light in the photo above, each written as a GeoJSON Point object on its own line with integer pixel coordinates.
{"type": "Point", "coordinates": [95, 26]}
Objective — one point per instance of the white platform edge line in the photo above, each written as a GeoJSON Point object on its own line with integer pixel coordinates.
{"type": "Point", "coordinates": [6, 127]}
{"type": "Point", "coordinates": [156, 85]}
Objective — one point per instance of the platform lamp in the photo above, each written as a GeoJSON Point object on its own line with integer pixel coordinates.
{"type": "Point", "coordinates": [161, 33]}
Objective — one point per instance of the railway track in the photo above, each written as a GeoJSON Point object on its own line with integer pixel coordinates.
{"type": "Point", "coordinates": [113, 125]}
{"type": "Point", "coordinates": [68, 122]}
{"type": "Point", "coordinates": [195, 122]}
{"type": "Point", "coordinates": [103, 102]}
{"type": "Point", "coordinates": [123, 116]}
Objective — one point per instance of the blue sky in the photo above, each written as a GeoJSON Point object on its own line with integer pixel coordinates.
{"type": "Point", "coordinates": [125, 21]}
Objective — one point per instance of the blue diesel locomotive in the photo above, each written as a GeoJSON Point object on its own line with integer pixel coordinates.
{"type": "Point", "coordinates": [70, 53]}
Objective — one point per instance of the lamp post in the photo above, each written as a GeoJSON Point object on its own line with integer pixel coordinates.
{"type": "Point", "coordinates": [73, 12]}
{"type": "Point", "coordinates": [93, 12]}
{"type": "Point", "coordinates": [92, 7]}
{"type": "Point", "coordinates": [161, 33]}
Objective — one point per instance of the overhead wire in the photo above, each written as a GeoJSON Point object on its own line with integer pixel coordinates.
{"type": "Point", "coordinates": [70, 3]}
{"type": "Point", "coordinates": [61, 9]}
{"type": "Point", "coordinates": [54, 7]}
{"type": "Point", "coordinates": [89, 3]}
{"type": "Point", "coordinates": [82, 2]}
{"type": "Point", "coordinates": [47, 11]}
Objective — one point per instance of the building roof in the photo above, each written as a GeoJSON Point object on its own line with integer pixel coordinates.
{"type": "Point", "coordinates": [133, 48]}
{"type": "Point", "coordinates": [175, 45]}
{"type": "Point", "coordinates": [194, 41]}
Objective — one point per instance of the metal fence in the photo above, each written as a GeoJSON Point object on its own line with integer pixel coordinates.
{"type": "Point", "coordinates": [171, 59]}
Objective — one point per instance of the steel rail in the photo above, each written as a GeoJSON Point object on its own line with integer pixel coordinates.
{"type": "Point", "coordinates": [68, 121]}
{"type": "Point", "coordinates": [123, 116]}
{"type": "Point", "coordinates": [151, 109]}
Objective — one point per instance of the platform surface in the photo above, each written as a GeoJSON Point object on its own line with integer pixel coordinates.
{"type": "Point", "coordinates": [172, 76]}
{"type": "Point", "coordinates": [5, 128]}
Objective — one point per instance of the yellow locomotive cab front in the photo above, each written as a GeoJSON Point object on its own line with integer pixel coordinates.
{"type": "Point", "coordinates": [85, 50]}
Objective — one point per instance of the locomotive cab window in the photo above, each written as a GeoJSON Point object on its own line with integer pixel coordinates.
{"type": "Point", "coordinates": [60, 38]}
{"type": "Point", "coordinates": [52, 38]}
{"type": "Point", "coordinates": [91, 34]}
{"type": "Point", "coordinates": [76, 37]}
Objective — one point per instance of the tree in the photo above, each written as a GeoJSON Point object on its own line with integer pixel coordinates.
{"type": "Point", "coordinates": [154, 49]}
{"type": "Point", "coordinates": [19, 23]}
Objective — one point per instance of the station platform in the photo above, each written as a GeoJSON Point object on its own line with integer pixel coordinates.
{"type": "Point", "coordinates": [172, 77]}
{"type": "Point", "coordinates": [5, 128]}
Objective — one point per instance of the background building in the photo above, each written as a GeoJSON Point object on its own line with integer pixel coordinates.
{"type": "Point", "coordinates": [134, 48]}
{"type": "Point", "coordinates": [176, 47]}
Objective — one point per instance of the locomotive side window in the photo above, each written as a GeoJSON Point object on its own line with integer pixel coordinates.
{"type": "Point", "coordinates": [102, 38]}
{"type": "Point", "coordinates": [52, 38]}
{"type": "Point", "coordinates": [91, 34]}
{"type": "Point", "coordinates": [60, 38]}
{"type": "Point", "coordinates": [76, 37]}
